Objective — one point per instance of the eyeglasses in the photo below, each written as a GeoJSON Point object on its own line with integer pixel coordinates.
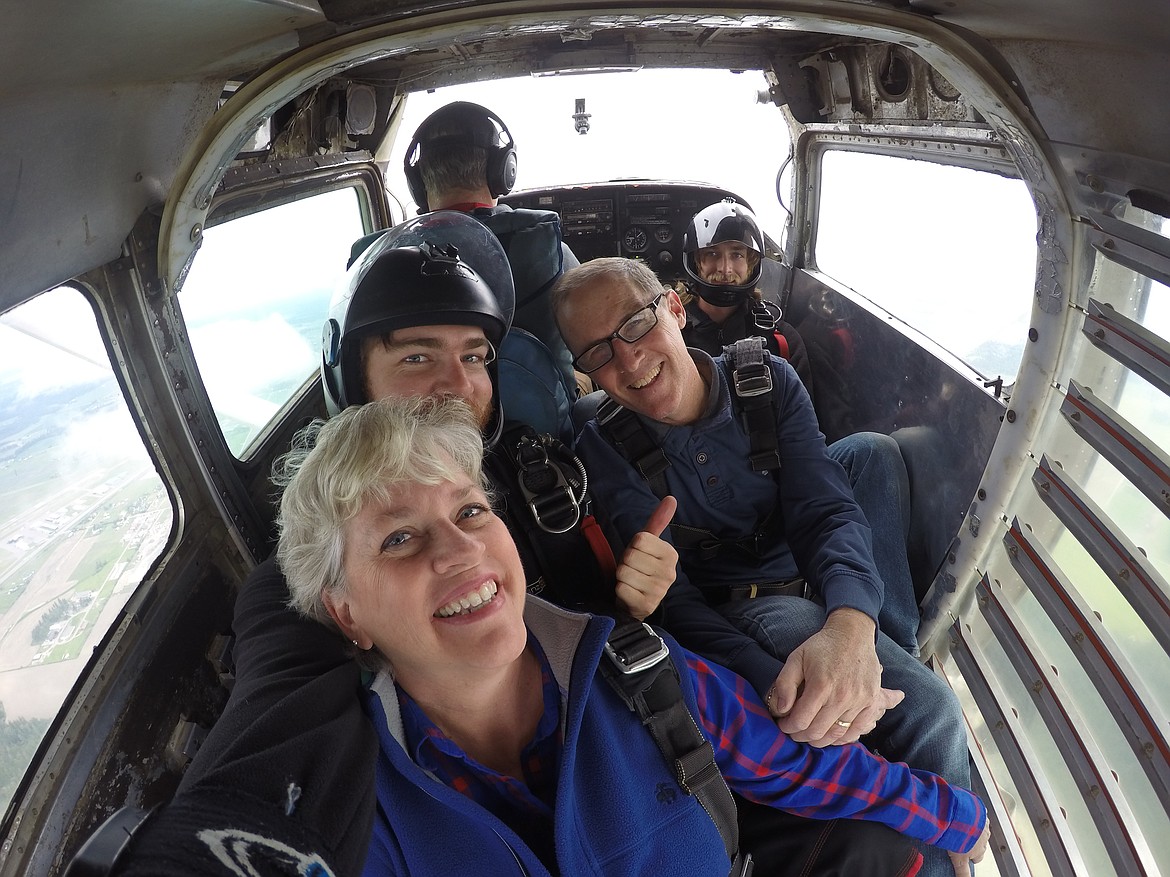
{"type": "Point", "coordinates": [635, 326]}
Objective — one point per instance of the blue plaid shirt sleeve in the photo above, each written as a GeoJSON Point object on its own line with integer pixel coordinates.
{"type": "Point", "coordinates": [760, 762]}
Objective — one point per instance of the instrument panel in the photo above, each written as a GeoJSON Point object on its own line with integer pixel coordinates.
{"type": "Point", "coordinates": [640, 219]}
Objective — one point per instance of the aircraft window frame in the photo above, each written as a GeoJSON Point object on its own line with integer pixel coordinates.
{"type": "Point", "coordinates": [1119, 285]}
{"type": "Point", "coordinates": [60, 328]}
{"type": "Point", "coordinates": [291, 323]}
{"type": "Point", "coordinates": [1080, 578]}
{"type": "Point", "coordinates": [999, 352]}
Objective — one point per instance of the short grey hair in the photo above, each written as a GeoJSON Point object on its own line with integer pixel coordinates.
{"type": "Point", "coordinates": [633, 273]}
{"type": "Point", "coordinates": [336, 466]}
{"type": "Point", "coordinates": [451, 165]}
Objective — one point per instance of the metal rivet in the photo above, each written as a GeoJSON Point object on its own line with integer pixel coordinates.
{"type": "Point", "coordinates": [1011, 416]}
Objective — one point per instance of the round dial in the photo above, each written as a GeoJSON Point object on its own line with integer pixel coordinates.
{"type": "Point", "coordinates": [634, 240]}
{"type": "Point", "coordinates": [663, 235]}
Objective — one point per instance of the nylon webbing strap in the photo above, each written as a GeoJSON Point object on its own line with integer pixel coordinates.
{"type": "Point", "coordinates": [634, 442]}
{"type": "Point", "coordinates": [751, 383]}
{"type": "Point", "coordinates": [753, 546]}
{"type": "Point", "coordinates": [640, 670]}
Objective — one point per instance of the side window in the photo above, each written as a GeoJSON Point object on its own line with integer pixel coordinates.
{"type": "Point", "coordinates": [949, 251]}
{"type": "Point", "coordinates": [84, 513]}
{"type": "Point", "coordinates": [255, 299]}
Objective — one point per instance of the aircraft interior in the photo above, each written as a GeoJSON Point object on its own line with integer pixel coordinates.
{"type": "Point", "coordinates": [183, 186]}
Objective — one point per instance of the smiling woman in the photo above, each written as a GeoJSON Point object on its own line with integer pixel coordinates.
{"type": "Point", "coordinates": [428, 578]}
{"type": "Point", "coordinates": [499, 739]}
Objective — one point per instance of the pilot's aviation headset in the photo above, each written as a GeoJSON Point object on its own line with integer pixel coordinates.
{"type": "Point", "coordinates": [463, 122]}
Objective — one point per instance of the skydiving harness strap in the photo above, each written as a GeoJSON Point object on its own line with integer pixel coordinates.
{"type": "Point", "coordinates": [749, 375]}
{"type": "Point", "coordinates": [555, 487]}
{"type": "Point", "coordinates": [639, 669]}
{"type": "Point", "coordinates": [751, 380]}
{"type": "Point", "coordinates": [766, 317]}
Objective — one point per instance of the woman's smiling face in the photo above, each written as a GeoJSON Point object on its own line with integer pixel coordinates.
{"type": "Point", "coordinates": [433, 579]}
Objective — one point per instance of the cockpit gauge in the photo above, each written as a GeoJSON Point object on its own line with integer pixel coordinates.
{"type": "Point", "coordinates": [634, 240]}
{"type": "Point", "coordinates": [663, 235]}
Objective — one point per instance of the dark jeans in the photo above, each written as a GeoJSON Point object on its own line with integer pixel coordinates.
{"type": "Point", "coordinates": [784, 845]}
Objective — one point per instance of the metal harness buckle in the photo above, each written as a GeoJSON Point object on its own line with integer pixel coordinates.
{"type": "Point", "coordinates": [551, 500]}
{"type": "Point", "coordinates": [641, 653]}
{"type": "Point", "coordinates": [752, 380]}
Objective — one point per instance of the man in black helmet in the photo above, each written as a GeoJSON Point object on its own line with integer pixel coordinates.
{"type": "Point", "coordinates": [723, 255]}
{"type": "Point", "coordinates": [462, 157]}
{"type": "Point", "coordinates": [419, 320]}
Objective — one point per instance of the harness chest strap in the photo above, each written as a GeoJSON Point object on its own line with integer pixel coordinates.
{"type": "Point", "coordinates": [639, 669]}
{"type": "Point", "coordinates": [751, 382]}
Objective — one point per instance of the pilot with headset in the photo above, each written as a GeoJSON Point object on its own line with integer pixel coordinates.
{"type": "Point", "coordinates": [463, 157]}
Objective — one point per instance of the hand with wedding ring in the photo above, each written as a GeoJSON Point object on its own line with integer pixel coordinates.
{"type": "Point", "coordinates": [829, 691]}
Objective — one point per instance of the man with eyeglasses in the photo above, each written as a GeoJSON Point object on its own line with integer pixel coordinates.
{"type": "Point", "coordinates": [723, 257]}
{"type": "Point", "coordinates": [819, 665]}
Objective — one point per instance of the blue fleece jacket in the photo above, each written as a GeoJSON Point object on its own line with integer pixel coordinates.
{"type": "Point", "coordinates": [618, 808]}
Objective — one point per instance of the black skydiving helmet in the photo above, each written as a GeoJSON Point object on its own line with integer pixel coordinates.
{"type": "Point", "coordinates": [429, 271]}
{"type": "Point", "coordinates": [724, 221]}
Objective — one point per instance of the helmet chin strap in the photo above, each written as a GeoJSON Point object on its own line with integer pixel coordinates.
{"type": "Point", "coordinates": [495, 425]}
{"type": "Point", "coordinates": [724, 296]}
{"type": "Point", "coordinates": [494, 428]}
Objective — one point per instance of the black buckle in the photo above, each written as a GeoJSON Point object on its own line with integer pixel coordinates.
{"type": "Point", "coordinates": [752, 380]}
{"type": "Point", "coordinates": [764, 461]}
{"type": "Point", "coordinates": [766, 315]}
{"type": "Point", "coordinates": [697, 768]}
{"type": "Point", "coordinates": [635, 652]}
{"type": "Point", "coordinates": [652, 464]}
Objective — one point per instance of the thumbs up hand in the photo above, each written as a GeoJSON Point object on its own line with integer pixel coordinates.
{"type": "Point", "coordinates": [648, 565]}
